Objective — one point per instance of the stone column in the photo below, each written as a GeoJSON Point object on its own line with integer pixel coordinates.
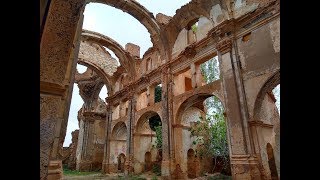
{"type": "Point", "coordinates": [165, 165]}
{"type": "Point", "coordinates": [193, 75]}
{"type": "Point", "coordinates": [85, 144]}
{"type": "Point", "coordinates": [191, 36]}
{"type": "Point", "coordinates": [170, 122]}
{"type": "Point", "coordinates": [58, 52]}
{"type": "Point", "coordinates": [199, 76]}
{"type": "Point", "coordinates": [244, 164]}
{"type": "Point", "coordinates": [130, 141]}
{"type": "Point", "coordinates": [150, 94]}
{"type": "Point", "coordinates": [106, 157]}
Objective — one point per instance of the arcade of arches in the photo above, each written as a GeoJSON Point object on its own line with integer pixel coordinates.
{"type": "Point", "coordinates": [114, 134]}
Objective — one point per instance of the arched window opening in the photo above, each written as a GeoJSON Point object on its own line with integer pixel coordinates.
{"type": "Point", "coordinates": [81, 68]}
{"type": "Point", "coordinates": [112, 55]}
{"type": "Point", "coordinates": [103, 93]}
{"type": "Point", "coordinates": [276, 93]}
{"type": "Point", "coordinates": [148, 161]}
{"type": "Point", "coordinates": [206, 133]}
{"type": "Point", "coordinates": [121, 160]}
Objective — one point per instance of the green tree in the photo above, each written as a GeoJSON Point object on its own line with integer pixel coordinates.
{"type": "Point", "coordinates": [157, 94]}
{"type": "Point", "coordinates": [211, 72]}
{"type": "Point", "coordinates": [194, 27]}
{"type": "Point", "coordinates": [159, 137]}
{"type": "Point", "coordinates": [211, 138]}
{"type": "Point", "coordinates": [211, 132]}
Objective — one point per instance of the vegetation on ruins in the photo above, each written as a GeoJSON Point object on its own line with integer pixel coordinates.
{"type": "Point", "coordinates": [159, 137]}
{"type": "Point", "coordinates": [194, 28]}
{"type": "Point", "coordinates": [69, 172]}
{"type": "Point", "coordinates": [156, 168]}
{"type": "Point", "coordinates": [155, 125]}
{"type": "Point", "coordinates": [211, 139]}
{"type": "Point", "coordinates": [211, 132]}
{"type": "Point", "coordinates": [157, 94]}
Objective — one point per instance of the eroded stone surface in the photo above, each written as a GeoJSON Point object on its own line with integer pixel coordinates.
{"type": "Point", "coordinates": [116, 133]}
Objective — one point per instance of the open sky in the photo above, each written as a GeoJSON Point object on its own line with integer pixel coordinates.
{"type": "Point", "coordinates": [121, 27]}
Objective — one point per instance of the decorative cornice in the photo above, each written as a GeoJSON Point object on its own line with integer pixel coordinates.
{"type": "Point", "coordinates": [113, 139]}
{"type": "Point", "coordinates": [220, 36]}
{"type": "Point", "coordinates": [141, 134]}
{"type": "Point", "coordinates": [260, 123]}
{"type": "Point", "coordinates": [224, 45]}
{"type": "Point", "coordinates": [190, 51]}
{"type": "Point", "coordinates": [92, 116]}
{"type": "Point", "coordinates": [52, 89]}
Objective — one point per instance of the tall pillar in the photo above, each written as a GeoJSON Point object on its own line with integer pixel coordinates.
{"type": "Point", "coordinates": [199, 76]}
{"type": "Point", "coordinates": [106, 157]}
{"type": "Point", "coordinates": [193, 75]}
{"type": "Point", "coordinates": [130, 141]}
{"type": "Point", "coordinates": [85, 144]}
{"type": "Point", "coordinates": [191, 36]}
{"type": "Point", "coordinates": [170, 122]}
{"type": "Point", "coordinates": [165, 165]}
{"type": "Point", "coordinates": [150, 94]}
{"type": "Point", "coordinates": [59, 48]}
{"type": "Point", "coordinates": [244, 163]}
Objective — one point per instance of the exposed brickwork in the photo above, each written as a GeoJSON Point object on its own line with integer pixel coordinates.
{"type": "Point", "coordinates": [133, 49]}
{"type": "Point", "coordinates": [250, 68]}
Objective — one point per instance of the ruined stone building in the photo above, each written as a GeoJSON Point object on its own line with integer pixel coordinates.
{"type": "Point", "coordinates": [115, 136]}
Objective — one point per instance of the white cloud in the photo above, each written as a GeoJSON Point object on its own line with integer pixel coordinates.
{"type": "Point", "coordinates": [90, 21]}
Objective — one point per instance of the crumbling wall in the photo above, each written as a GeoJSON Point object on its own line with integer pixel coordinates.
{"type": "Point", "coordinates": [259, 52]}
{"type": "Point", "coordinates": [95, 54]}
{"type": "Point", "coordinates": [142, 100]}
{"type": "Point", "coordinates": [204, 25]}
{"type": "Point", "coordinates": [99, 140]}
{"type": "Point", "coordinates": [268, 114]}
{"type": "Point", "coordinates": [71, 164]}
{"type": "Point", "coordinates": [180, 82]}
{"type": "Point", "coordinates": [189, 116]}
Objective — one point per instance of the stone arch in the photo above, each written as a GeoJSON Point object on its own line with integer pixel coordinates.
{"type": "Point", "coordinates": [118, 146]}
{"type": "Point", "coordinates": [143, 119]}
{"type": "Point", "coordinates": [190, 109]}
{"type": "Point", "coordinates": [268, 86]}
{"type": "Point", "coordinates": [266, 126]}
{"type": "Point", "coordinates": [188, 36]}
{"type": "Point", "coordinates": [144, 141]}
{"type": "Point", "coordinates": [187, 14]}
{"type": "Point", "coordinates": [90, 74]}
{"type": "Point", "coordinates": [193, 100]}
{"type": "Point", "coordinates": [119, 83]}
{"type": "Point", "coordinates": [107, 80]}
{"type": "Point", "coordinates": [119, 131]}
{"type": "Point", "coordinates": [141, 14]}
{"type": "Point", "coordinates": [126, 60]}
